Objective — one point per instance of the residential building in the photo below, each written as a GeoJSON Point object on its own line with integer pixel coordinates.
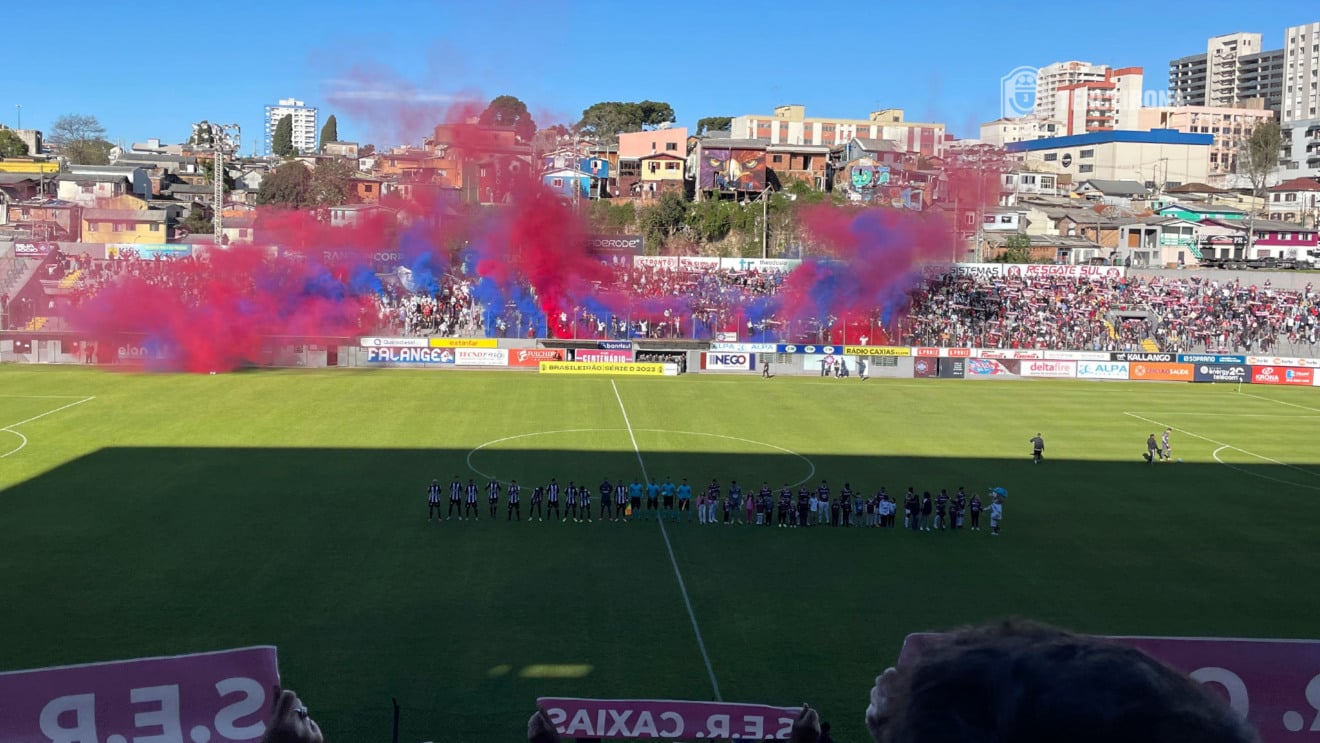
{"type": "Point", "coordinates": [1230, 128]}
{"type": "Point", "coordinates": [46, 219]}
{"type": "Point", "coordinates": [1268, 239]}
{"type": "Point", "coordinates": [1000, 132]}
{"type": "Point", "coordinates": [1233, 69]}
{"type": "Point", "coordinates": [880, 151]}
{"type": "Point", "coordinates": [341, 149]}
{"type": "Point", "coordinates": [1296, 200]}
{"type": "Point", "coordinates": [669, 141]}
{"type": "Point", "coordinates": [663, 173]}
{"type": "Point", "coordinates": [1019, 183]}
{"type": "Point", "coordinates": [1052, 78]}
{"type": "Point", "coordinates": [33, 165]}
{"type": "Point", "coordinates": [484, 163]}
{"type": "Point", "coordinates": [1158, 158]}
{"type": "Point", "coordinates": [568, 182]}
{"type": "Point", "coordinates": [1202, 212]}
{"type": "Point", "coordinates": [728, 166]}
{"type": "Point", "coordinates": [356, 214]}
{"type": "Point", "coordinates": [1120, 193]}
{"type": "Point", "coordinates": [1301, 94]}
{"type": "Point", "coordinates": [797, 163]}
{"type": "Point", "coordinates": [136, 226]}
{"type": "Point", "coordinates": [304, 124]}
{"type": "Point", "coordinates": [1260, 78]}
{"type": "Point", "coordinates": [30, 137]}
{"type": "Point", "coordinates": [1301, 148]}
{"type": "Point", "coordinates": [1100, 105]}
{"type": "Point", "coordinates": [790, 125]}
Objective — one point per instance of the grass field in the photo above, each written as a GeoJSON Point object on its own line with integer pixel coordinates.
{"type": "Point", "coordinates": [147, 515]}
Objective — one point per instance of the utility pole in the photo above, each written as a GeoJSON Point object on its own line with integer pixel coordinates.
{"type": "Point", "coordinates": [765, 223]}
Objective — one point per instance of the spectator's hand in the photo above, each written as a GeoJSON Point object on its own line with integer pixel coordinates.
{"type": "Point", "coordinates": [540, 729]}
{"type": "Point", "coordinates": [878, 712]}
{"type": "Point", "coordinates": [289, 722]}
{"type": "Point", "coordinates": [806, 728]}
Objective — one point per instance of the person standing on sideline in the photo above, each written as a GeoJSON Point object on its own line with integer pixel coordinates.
{"type": "Point", "coordinates": [1152, 449]}
{"type": "Point", "coordinates": [926, 508]}
{"type": "Point", "coordinates": [667, 491]}
{"type": "Point", "coordinates": [684, 500]}
{"type": "Point", "coordinates": [652, 500]}
{"type": "Point", "coordinates": [515, 507]}
{"type": "Point", "coordinates": [1164, 444]}
{"type": "Point", "coordinates": [606, 490]}
{"type": "Point", "coordinates": [974, 510]}
{"type": "Point", "coordinates": [997, 514]}
{"type": "Point", "coordinates": [582, 511]}
{"type": "Point", "coordinates": [621, 501]}
{"type": "Point", "coordinates": [552, 498]}
{"type": "Point", "coordinates": [433, 500]}
{"type": "Point", "coordinates": [765, 368]}
{"type": "Point", "coordinates": [455, 498]}
{"type": "Point", "coordinates": [1037, 449]}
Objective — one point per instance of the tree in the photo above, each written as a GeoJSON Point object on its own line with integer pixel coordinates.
{"type": "Point", "coordinates": [606, 120]}
{"type": "Point", "coordinates": [290, 186]}
{"type": "Point", "coordinates": [664, 219]}
{"type": "Point", "coordinates": [713, 124]}
{"type": "Point", "coordinates": [200, 220]}
{"type": "Point", "coordinates": [507, 110]}
{"type": "Point", "coordinates": [208, 169]}
{"type": "Point", "coordinates": [1258, 156]}
{"type": "Point", "coordinates": [332, 183]}
{"type": "Point", "coordinates": [367, 150]}
{"type": "Point", "coordinates": [329, 131]}
{"type": "Point", "coordinates": [11, 145]}
{"type": "Point", "coordinates": [80, 139]}
{"type": "Point", "coordinates": [282, 141]}
{"type": "Point", "coordinates": [1017, 249]}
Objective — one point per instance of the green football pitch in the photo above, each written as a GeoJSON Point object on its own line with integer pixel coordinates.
{"type": "Point", "coordinates": [148, 515]}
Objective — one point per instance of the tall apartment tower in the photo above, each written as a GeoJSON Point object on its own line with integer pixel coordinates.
{"type": "Point", "coordinates": [1051, 78]}
{"type": "Point", "coordinates": [1232, 70]}
{"type": "Point", "coordinates": [1301, 96]}
{"type": "Point", "coordinates": [304, 124]}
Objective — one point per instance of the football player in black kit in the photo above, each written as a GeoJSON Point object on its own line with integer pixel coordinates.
{"type": "Point", "coordinates": [845, 505]}
{"type": "Point", "coordinates": [786, 506]}
{"type": "Point", "coordinates": [571, 502]}
{"type": "Point", "coordinates": [471, 506]}
{"type": "Point", "coordinates": [433, 500]}
{"type": "Point", "coordinates": [606, 490]}
{"type": "Point", "coordinates": [493, 495]}
{"type": "Point", "coordinates": [804, 499]}
{"type": "Point", "coordinates": [534, 511]}
{"type": "Point", "coordinates": [455, 498]}
{"type": "Point", "coordinates": [514, 505]}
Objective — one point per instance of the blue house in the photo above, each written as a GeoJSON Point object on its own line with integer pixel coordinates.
{"type": "Point", "coordinates": [571, 183]}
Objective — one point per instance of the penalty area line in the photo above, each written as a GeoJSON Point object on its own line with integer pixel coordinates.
{"type": "Point", "coordinates": [10, 428]}
{"type": "Point", "coordinates": [1222, 446]}
{"type": "Point", "coordinates": [682, 587]}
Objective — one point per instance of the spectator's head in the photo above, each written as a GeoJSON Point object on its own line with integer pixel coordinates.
{"type": "Point", "coordinates": [1022, 682]}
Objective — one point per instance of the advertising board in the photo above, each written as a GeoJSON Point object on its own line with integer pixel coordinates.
{"type": "Point", "coordinates": [1158, 358]}
{"type": "Point", "coordinates": [393, 342]}
{"type": "Point", "coordinates": [1209, 358]}
{"type": "Point", "coordinates": [1031, 271]}
{"type": "Point", "coordinates": [1234, 373]}
{"type": "Point", "coordinates": [952, 368]}
{"type": "Point", "coordinates": [876, 351]}
{"type": "Point", "coordinates": [925, 368]}
{"type": "Point", "coordinates": [1011, 353]}
{"type": "Point", "coordinates": [389, 355]}
{"type": "Point", "coordinates": [666, 719]}
{"type": "Point", "coordinates": [986, 368]}
{"type": "Point", "coordinates": [464, 343]}
{"type": "Point", "coordinates": [481, 356]}
{"type": "Point", "coordinates": [1283, 375]}
{"type": "Point", "coordinates": [1102, 370]}
{"type": "Point", "coordinates": [809, 349]}
{"type": "Point", "coordinates": [1078, 355]}
{"type": "Point", "coordinates": [532, 357]}
{"type": "Point", "coordinates": [1053, 369]}
{"type": "Point", "coordinates": [1282, 361]}
{"type": "Point", "coordinates": [1159, 371]}
{"type": "Point", "coordinates": [584, 367]}
{"type": "Point", "coordinates": [728, 361]}
{"type": "Point", "coordinates": [603, 355]}
{"type": "Point", "coordinates": [744, 347]}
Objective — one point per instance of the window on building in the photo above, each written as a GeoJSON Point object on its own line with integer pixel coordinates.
{"type": "Point", "coordinates": [1086, 153]}
{"type": "Point", "coordinates": [1006, 219]}
{"type": "Point", "coordinates": [481, 172]}
{"type": "Point", "coordinates": [155, 227]}
{"type": "Point", "coordinates": [1085, 168]}
{"type": "Point", "coordinates": [1046, 181]}
{"type": "Point", "coordinates": [988, 219]}
{"type": "Point", "coordinates": [557, 182]}
{"type": "Point", "coordinates": [1051, 157]}
{"type": "Point", "coordinates": [94, 226]}
{"type": "Point", "coordinates": [777, 159]}
{"type": "Point", "coordinates": [671, 166]}
{"type": "Point", "coordinates": [1289, 197]}
{"type": "Point", "coordinates": [1150, 184]}
{"type": "Point", "coordinates": [671, 146]}
{"type": "Point", "coordinates": [119, 226]}
{"type": "Point", "coordinates": [1028, 180]}
{"type": "Point", "coordinates": [1173, 184]}
{"type": "Point", "coordinates": [1276, 198]}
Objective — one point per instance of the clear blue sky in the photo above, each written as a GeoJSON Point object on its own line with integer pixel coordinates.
{"type": "Point", "coordinates": [141, 72]}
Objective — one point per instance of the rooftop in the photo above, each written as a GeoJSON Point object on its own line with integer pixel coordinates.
{"type": "Point", "coordinates": [126, 215]}
{"type": "Point", "coordinates": [1114, 188]}
{"type": "Point", "coordinates": [1154, 136]}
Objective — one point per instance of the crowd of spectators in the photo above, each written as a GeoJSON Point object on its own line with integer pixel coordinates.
{"type": "Point", "coordinates": [1172, 314]}
{"type": "Point", "coordinates": [1179, 314]}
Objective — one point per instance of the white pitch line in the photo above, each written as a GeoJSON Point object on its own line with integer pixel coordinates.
{"type": "Point", "coordinates": [1281, 402]}
{"type": "Point", "coordinates": [1215, 454]}
{"type": "Point", "coordinates": [1223, 446]}
{"type": "Point", "coordinates": [672, 561]}
{"type": "Point", "coordinates": [10, 428]}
